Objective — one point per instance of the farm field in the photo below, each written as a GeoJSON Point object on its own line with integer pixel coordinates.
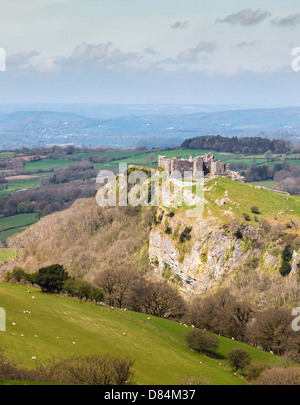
{"type": "Point", "coordinates": [156, 345]}
{"type": "Point", "coordinates": [15, 223]}
{"type": "Point", "coordinates": [45, 164]}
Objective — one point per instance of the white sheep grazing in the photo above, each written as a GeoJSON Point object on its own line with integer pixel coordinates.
{"type": "Point", "coordinates": [14, 324]}
{"type": "Point", "coordinates": [193, 326]}
{"type": "Point", "coordinates": [232, 338]}
{"type": "Point", "coordinates": [149, 318]}
{"type": "Point", "coordinates": [33, 297]}
{"type": "Point", "coordinates": [29, 292]}
{"type": "Point", "coordinates": [74, 343]}
{"type": "Point", "coordinates": [22, 334]}
{"type": "Point", "coordinates": [271, 352]}
{"type": "Point", "coordinates": [33, 358]}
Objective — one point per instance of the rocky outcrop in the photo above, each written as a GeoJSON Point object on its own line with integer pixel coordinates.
{"type": "Point", "coordinates": [212, 254]}
{"type": "Point", "coordinates": [200, 263]}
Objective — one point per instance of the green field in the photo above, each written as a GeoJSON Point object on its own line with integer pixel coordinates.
{"type": "Point", "coordinates": [15, 223]}
{"type": "Point", "coordinates": [157, 346]}
{"type": "Point", "coordinates": [46, 164]}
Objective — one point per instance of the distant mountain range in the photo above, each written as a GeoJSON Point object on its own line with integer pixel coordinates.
{"type": "Point", "coordinates": [132, 126]}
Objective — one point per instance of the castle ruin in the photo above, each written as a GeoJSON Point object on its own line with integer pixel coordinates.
{"type": "Point", "coordinates": [206, 164]}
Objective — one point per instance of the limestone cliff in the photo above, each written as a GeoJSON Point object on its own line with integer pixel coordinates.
{"type": "Point", "coordinates": [199, 254]}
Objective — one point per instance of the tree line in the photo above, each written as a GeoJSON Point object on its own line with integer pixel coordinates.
{"type": "Point", "coordinates": [220, 313]}
{"type": "Point", "coordinates": [247, 145]}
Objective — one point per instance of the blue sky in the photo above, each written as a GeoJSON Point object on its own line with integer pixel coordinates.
{"type": "Point", "coordinates": [150, 51]}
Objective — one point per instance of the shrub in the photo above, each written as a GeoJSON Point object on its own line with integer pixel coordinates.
{"type": "Point", "coordinates": [238, 234]}
{"type": "Point", "coordinates": [285, 269]}
{"type": "Point", "coordinates": [238, 358]}
{"type": "Point", "coordinates": [280, 376]}
{"type": "Point", "coordinates": [255, 209]}
{"type": "Point", "coordinates": [51, 279]}
{"type": "Point", "coordinates": [87, 370]}
{"type": "Point", "coordinates": [185, 234]}
{"type": "Point", "coordinates": [254, 370]}
{"type": "Point", "coordinates": [287, 253]}
{"type": "Point", "coordinates": [18, 274]}
{"type": "Point", "coordinates": [246, 217]}
{"type": "Point", "coordinates": [202, 341]}
{"type": "Point", "coordinates": [168, 230]}
{"type": "Point", "coordinates": [9, 369]}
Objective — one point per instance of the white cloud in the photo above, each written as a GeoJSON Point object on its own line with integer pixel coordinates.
{"type": "Point", "coordinates": [48, 65]}
{"type": "Point", "coordinates": [192, 55]}
{"type": "Point", "coordinates": [289, 21]}
{"type": "Point", "coordinates": [246, 44]}
{"type": "Point", "coordinates": [179, 25]}
{"type": "Point", "coordinates": [245, 17]}
{"type": "Point", "coordinates": [21, 59]}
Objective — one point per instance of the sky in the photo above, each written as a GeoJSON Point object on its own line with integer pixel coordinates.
{"type": "Point", "coordinates": [151, 51]}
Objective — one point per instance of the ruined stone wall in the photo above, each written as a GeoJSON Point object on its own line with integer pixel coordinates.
{"type": "Point", "coordinates": [206, 164]}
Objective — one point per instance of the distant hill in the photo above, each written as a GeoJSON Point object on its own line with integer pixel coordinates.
{"type": "Point", "coordinates": [131, 126]}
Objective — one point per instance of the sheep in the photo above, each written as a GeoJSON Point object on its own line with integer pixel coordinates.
{"type": "Point", "coordinates": [33, 297]}
{"type": "Point", "coordinates": [29, 292]}
{"type": "Point", "coordinates": [33, 358]}
{"type": "Point", "coordinates": [232, 338]}
{"type": "Point", "coordinates": [14, 324]}
{"type": "Point", "coordinates": [149, 318]}
{"type": "Point", "coordinates": [22, 334]}
{"type": "Point", "coordinates": [124, 334]}
{"type": "Point", "coordinates": [271, 352]}
{"type": "Point", "coordinates": [74, 343]}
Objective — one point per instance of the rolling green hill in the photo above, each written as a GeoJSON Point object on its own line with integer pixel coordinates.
{"type": "Point", "coordinates": [59, 326]}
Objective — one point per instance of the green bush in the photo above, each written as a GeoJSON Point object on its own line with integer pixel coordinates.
{"type": "Point", "coordinates": [88, 370]}
{"type": "Point", "coordinates": [255, 209]}
{"type": "Point", "coordinates": [52, 278]}
{"type": "Point", "coordinates": [185, 234]}
{"type": "Point", "coordinates": [285, 269]}
{"type": "Point", "coordinates": [168, 230]}
{"type": "Point", "coordinates": [246, 217]}
{"type": "Point", "coordinates": [202, 341]}
{"type": "Point", "coordinates": [238, 358]}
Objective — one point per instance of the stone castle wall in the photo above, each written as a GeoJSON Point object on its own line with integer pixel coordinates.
{"type": "Point", "coordinates": [206, 164]}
